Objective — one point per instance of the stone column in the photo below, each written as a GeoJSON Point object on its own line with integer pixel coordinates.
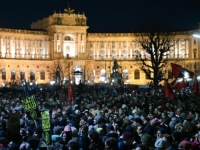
{"type": "Point", "coordinates": [117, 49]}
{"type": "Point", "coordinates": [84, 42]}
{"type": "Point", "coordinates": [55, 42]}
{"type": "Point", "coordinates": [76, 45]}
{"type": "Point", "coordinates": [79, 43]}
{"type": "Point", "coordinates": [94, 48]}
{"type": "Point", "coordinates": [106, 49]}
{"type": "Point", "coordinates": [186, 48]}
{"type": "Point", "coordinates": [109, 49]}
{"type": "Point", "coordinates": [98, 49]}
{"type": "Point", "coordinates": [61, 42]}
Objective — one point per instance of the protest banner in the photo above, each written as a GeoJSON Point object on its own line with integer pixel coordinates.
{"type": "Point", "coordinates": [46, 126]}
{"type": "Point", "coordinates": [31, 108]}
{"type": "Point", "coordinates": [13, 125]}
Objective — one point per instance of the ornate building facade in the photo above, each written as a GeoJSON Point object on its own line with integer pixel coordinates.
{"type": "Point", "coordinates": [32, 54]}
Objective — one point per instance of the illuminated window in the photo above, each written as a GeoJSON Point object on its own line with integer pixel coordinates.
{"type": "Point", "coordinates": [12, 74]}
{"type": "Point", "coordinates": [22, 75]}
{"type": "Point", "coordinates": [42, 75]}
{"type": "Point", "coordinates": [148, 74]}
{"type": "Point", "coordinates": [125, 74]}
{"type": "Point", "coordinates": [137, 74]}
{"type": "Point", "coordinates": [3, 74]}
{"type": "Point", "coordinates": [32, 75]}
{"type": "Point", "coordinates": [170, 74]}
{"type": "Point", "coordinates": [101, 45]}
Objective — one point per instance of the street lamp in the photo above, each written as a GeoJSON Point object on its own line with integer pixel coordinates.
{"type": "Point", "coordinates": [196, 35]}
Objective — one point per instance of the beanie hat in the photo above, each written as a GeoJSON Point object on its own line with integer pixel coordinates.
{"type": "Point", "coordinates": [159, 143]}
{"type": "Point", "coordinates": [147, 139]}
{"type": "Point", "coordinates": [56, 129]}
{"type": "Point", "coordinates": [176, 135]}
{"type": "Point", "coordinates": [128, 135]}
{"type": "Point", "coordinates": [67, 128]}
{"type": "Point", "coordinates": [38, 129]}
{"type": "Point", "coordinates": [162, 130]}
{"type": "Point", "coordinates": [84, 117]}
{"type": "Point", "coordinates": [109, 128]}
{"type": "Point", "coordinates": [99, 130]}
{"type": "Point", "coordinates": [130, 117]}
{"type": "Point", "coordinates": [74, 131]}
{"type": "Point", "coordinates": [138, 120]}
{"type": "Point", "coordinates": [84, 127]}
{"type": "Point", "coordinates": [154, 121]}
{"type": "Point", "coordinates": [55, 138]}
{"type": "Point", "coordinates": [185, 144]}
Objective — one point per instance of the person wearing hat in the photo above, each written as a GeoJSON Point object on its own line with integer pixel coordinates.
{"type": "Point", "coordinates": [38, 134]}
{"type": "Point", "coordinates": [127, 142]}
{"type": "Point", "coordinates": [83, 137]}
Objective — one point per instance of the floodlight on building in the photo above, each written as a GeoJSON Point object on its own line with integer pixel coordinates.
{"type": "Point", "coordinates": [36, 83]}
{"type": "Point", "coordinates": [180, 80]}
{"type": "Point", "coordinates": [52, 82]}
{"type": "Point", "coordinates": [196, 35]}
{"type": "Point", "coordinates": [71, 81]}
{"type": "Point", "coordinates": [198, 77]}
{"type": "Point", "coordinates": [3, 84]}
{"type": "Point", "coordinates": [31, 83]}
{"type": "Point", "coordinates": [113, 80]}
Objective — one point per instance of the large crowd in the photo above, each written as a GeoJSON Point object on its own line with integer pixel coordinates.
{"type": "Point", "coordinates": [105, 118]}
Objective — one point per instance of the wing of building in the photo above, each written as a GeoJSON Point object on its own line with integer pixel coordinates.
{"type": "Point", "coordinates": [61, 40]}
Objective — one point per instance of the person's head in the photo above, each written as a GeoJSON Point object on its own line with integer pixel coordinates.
{"type": "Point", "coordinates": [128, 138]}
{"type": "Point", "coordinates": [93, 136]}
{"type": "Point", "coordinates": [83, 129]}
{"type": "Point", "coordinates": [66, 136]}
{"type": "Point", "coordinates": [139, 130]}
{"type": "Point", "coordinates": [111, 144]}
{"type": "Point", "coordinates": [38, 132]}
{"type": "Point", "coordinates": [73, 145]}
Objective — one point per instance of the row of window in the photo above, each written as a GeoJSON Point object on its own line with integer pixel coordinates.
{"type": "Point", "coordinates": [22, 75]}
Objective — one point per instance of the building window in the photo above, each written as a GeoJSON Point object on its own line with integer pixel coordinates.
{"type": "Point", "coordinates": [103, 75]}
{"type": "Point", "coordinates": [68, 38]}
{"type": "Point", "coordinates": [113, 44]}
{"type": "Point", "coordinates": [101, 45]}
{"type": "Point", "coordinates": [170, 74]}
{"type": "Point", "coordinates": [32, 75]}
{"type": "Point", "coordinates": [137, 74]}
{"type": "Point", "coordinates": [3, 74]}
{"type": "Point", "coordinates": [12, 74]}
{"type": "Point", "coordinates": [125, 74]}
{"type": "Point", "coordinates": [125, 44]}
{"type": "Point", "coordinates": [148, 74]}
{"type": "Point", "coordinates": [42, 75]}
{"type": "Point", "coordinates": [194, 42]}
{"type": "Point", "coordinates": [91, 45]}
{"type": "Point", "coordinates": [22, 75]}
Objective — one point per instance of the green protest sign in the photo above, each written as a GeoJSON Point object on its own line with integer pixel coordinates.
{"type": "Point", "coordinates": [31, 107]}
{"type": "Point", "coordinates": [46, 126]}
{"type": "Point", "coordinates": [13, 125]}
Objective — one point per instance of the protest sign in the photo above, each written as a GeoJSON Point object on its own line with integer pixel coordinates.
{"type": "Point", "coordinates": [31, 107]}
{"type": "Point", "coordinates": [13, 125]}
{"type": "Point", "coordinates": [46, 126]}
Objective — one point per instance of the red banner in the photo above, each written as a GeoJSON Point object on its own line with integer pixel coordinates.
{"type": "Point", "coordinates": [70, 92]}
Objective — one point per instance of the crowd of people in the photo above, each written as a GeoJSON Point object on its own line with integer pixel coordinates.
{"type": "Point", "coordinates": [105, 118]}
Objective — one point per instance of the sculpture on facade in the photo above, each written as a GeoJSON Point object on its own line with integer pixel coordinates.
{"type": "Point", "coordinates": [115, 66]}
{"type": "Point", "coordinates": [115, 73]}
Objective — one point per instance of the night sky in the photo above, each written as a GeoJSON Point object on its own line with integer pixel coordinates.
{"type": "Point", "coordinates": [107, 15]}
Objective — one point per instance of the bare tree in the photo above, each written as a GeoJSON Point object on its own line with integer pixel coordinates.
{"type": "Point", "coordinates": [64, 66]}
{"type": "Point", "coordinates": [155, 54]}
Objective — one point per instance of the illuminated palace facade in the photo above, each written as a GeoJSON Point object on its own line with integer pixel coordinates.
{"type": "Point", "coordinates": [32, 54]}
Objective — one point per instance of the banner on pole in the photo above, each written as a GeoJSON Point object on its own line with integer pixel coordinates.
{"type": "Point", "coordinates": [13, 125]}
{"type": "Point", "coordinates": [46, 126]}
{"type": "Point", "coordinates": [31, 108]}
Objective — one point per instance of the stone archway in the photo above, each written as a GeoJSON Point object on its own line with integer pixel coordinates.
{"type": "Point", "coordinates": [78, 74]}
